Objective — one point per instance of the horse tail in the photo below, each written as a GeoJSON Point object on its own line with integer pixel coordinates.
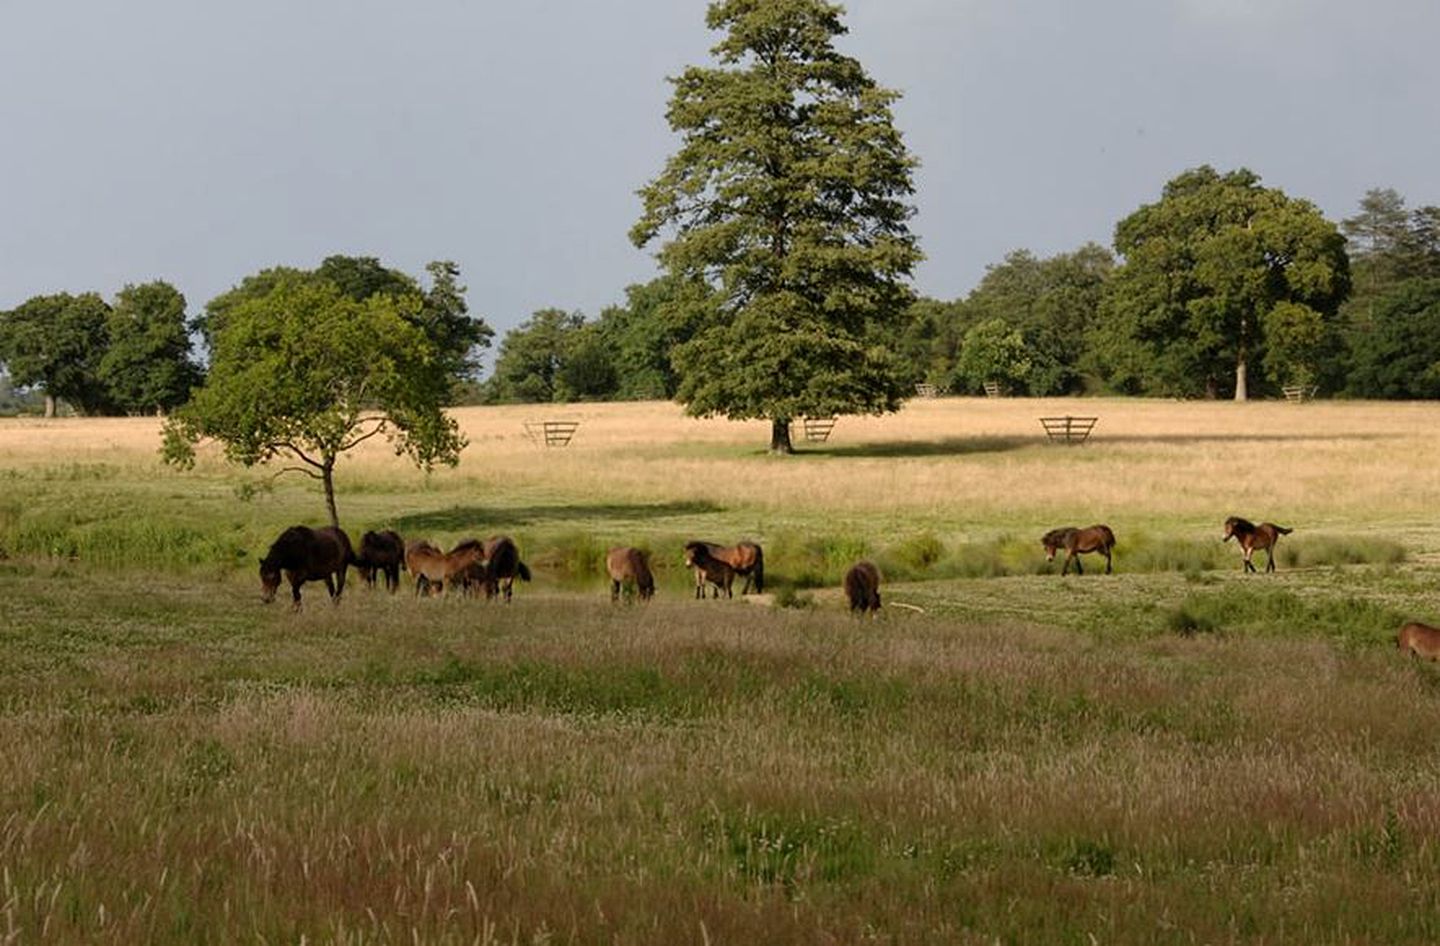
{"type": "Point", "coordinates": [522, 570]}
{"type": "Point", "coordinates": [759, 570]}
{"type": "Point", "coordinates": [1283, 531]}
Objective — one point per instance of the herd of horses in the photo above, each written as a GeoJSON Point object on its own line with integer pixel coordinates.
{"type": "Point", "coordinates": [302, 554]}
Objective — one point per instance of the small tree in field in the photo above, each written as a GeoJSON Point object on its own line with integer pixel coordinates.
{"type": "Point", "coordinates": [305, 373]}
{"type": "Point", "coordinates": [789, 198]}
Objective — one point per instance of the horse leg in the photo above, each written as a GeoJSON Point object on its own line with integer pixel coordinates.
{"type": "Point", "coordinates": [334, 592]}
{"type": "Point", "coordinates": [295, 583]}
{"type": "Point", "coordinates": [614, 591]}
{"type": "Point", "coordinates": [1107, 562]}
{"type": "Point", "coordinates": [509, 588]}
{"type": "Point", "coordinates": [1270, 559]}
{"type": "Point", "coordinates": [1249, 565]}
{"type": "Point", "coordinates": [1079, 568]}
{"type": "Point", "coordinates": [340, 580]}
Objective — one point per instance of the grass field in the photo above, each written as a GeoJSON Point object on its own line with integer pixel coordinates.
{"type": "Point", "coordinates": [1175, 753]}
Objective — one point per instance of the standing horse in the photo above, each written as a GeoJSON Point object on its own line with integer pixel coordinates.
{"type": "Point", "coordinates": [1253, 538]}
{"type": "Point", "coordinates": [1421, 640]}
{"type": "Point", "coordinates": [709, 567]}
{"type": "Point", "coordinates": [434, 569]}
{"type": "Point", "coordinates": [627, 566]}
{"type": "Point", "coordinates": [498, 566]}
{"type": "Point", "coordinates": [1076, 542]}
{"type": "Point", "coordinates": [306, 554]}
{"type": "Point", "coordinates": [382, 552]}
{"type": "Point", "coordinates": [745, 559]}
{"type": "Point", "coordinates": [862, 588]}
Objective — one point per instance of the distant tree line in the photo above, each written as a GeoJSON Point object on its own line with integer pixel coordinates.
{"type": "Point", "coordinates": [1221, 288]}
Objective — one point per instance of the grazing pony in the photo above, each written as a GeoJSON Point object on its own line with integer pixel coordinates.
{"type": "Point", "coordinates": [1076, 542]}
{"type": "Point", "coordinates": [745, 559]}
{"type": "Point", "coordinates": [306, 554]}
{"type": "Point", "coordinates": [1421, 640]}
{"type": "Point", "coordinates": [862, 588]}
{"type": "Point", "coordinates": [496, 569]}
{"type": "Point", "coordinates": [382, 552]}
{"type": "Point", "coordinates": [434, 569]}
{"type": "Point", "coordinates": [709, 567]}
{"type": "Point", "coordinates": [629, 566]}
{"type": "Point", "coordinates": [1252, 538]}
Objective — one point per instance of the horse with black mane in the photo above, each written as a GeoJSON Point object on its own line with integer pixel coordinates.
{"type": "Point", "coordinates": [304, 554]}
{"type": "Point", "coordinates": [382, 552]}
{"type": "Point", "coordinates": [1076, 542]}
{"type": "Point", "coordinates": [1253, 538]}
{"type": "Point", "coordinates": [712, 562]}
{"type": "Point", "coordinates": [496, 568]}
{"type": "Point", "coordinates": [629, 566]}
{"type": "Point", "coordinates": [709, 568]}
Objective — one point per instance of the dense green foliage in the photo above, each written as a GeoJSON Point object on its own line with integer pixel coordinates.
{"type": "Point", "coordinates": [56, 343]}
{"type": "Point", "coordinates": [306, 372]}
{"type": "Point", "coordinates": [789, 198]}
{"type": "Point", "coordinates": [1210, 270]}
{"type": "Point", "coordinates": [147, 365]}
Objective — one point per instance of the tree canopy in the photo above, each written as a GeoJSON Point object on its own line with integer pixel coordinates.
{"type": "Point", "coordinates": [147, 365]}
{"type": "Point", "coordinates": [56, 343]}
{"type": "Point", "coordinates": [305, 372]}
{"type": "Point", "coordinates": [1204, 268]}
{"type": "Point", "coordinates": [789, 198]}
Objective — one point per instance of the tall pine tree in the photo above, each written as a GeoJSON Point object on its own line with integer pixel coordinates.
{"type": "Point", "coordinates": [790, 197]}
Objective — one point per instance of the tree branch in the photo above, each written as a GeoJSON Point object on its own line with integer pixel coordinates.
{"type": "Point", "coordinates": [379, 426]}
{"type": "Point", "coordinates": [299, 453]}
{"type": "Point", "coordinates": [294, 469]}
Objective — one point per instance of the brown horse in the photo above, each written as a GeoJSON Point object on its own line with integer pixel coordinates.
{"type": "Point", "coordinates": [1253, 538]}
{"type": "Point", "coordinates": [1421, 640]}
{"type": "Point", "coordinates": [745, 559]}
{"type": "Point", "coordinates": [630, 566]}
{"type": "Point", "coordinates": [1076, 542]}
{"type": "Point", "coordinates": [382, 552]}
{"type": "Point", "coordinates": [709, 567]}
{"type": "Point", "coordinates": [434, 569]}
{"type": "Point", "coordinates": [496, 569]}
{"type": "Point", "coordinates": [862, 587]}
{"type": "Point", "coordinates": [306, 554]}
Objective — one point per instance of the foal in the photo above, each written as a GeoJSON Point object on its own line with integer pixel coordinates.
{"type": "Point", "coordinates": [1253, 538]}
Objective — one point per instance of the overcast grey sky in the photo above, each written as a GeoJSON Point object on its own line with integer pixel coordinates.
{"type": "Point", "coordinates": [199, 141]}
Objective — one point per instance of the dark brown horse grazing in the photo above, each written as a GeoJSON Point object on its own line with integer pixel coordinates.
{"type": "Point", "coordinates": [1076, 542]}
{"type": "Point", "coordinates": [306, 554]}
{"type": "Point", "coordinates": [745, 559]}
{"type": "Point", "coordinates": [862, 587]}
{"type": "Point", "coordinates": [434, 569]}
{"type": "Point", "coordinates": [709, 567]}
{"type": "Point", "coordinates": [1420, 640]}
{"type": "Point", "coordinates": [496, 569]}
{"type": "Point", "coordinates": [629, 566]}
{"type": "Point", "coordinates": [382, 552]}
{"type": "Point", "coordinates": [1253, 538]}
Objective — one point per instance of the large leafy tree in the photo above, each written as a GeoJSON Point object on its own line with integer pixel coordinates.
{"type": "Point", "coordinates": [56, 343]}
{"type": "Point", "coordinates": [442, 313]}
{"type": "Point", "coordinates": [657, 317]}
{"type": "Point", "coordinates": [789, 197]}
{"type": "Point", "coordinates": [533, 356]}
{"type": "Point", "coordinates": [147, 366]}
{"type": "Point", "coordinates": [1052, 303]}
{"type": "Point", "coordinates": [305, 372]}
{"type": "Point", "coordinates": [1204, 268]}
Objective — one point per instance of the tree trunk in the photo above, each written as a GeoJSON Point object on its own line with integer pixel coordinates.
{"type": "Point", "coordinates": [1241, 390]}
{"type": "Point", "coordinates": [327, 476]}
{"type": "Point", "coordinates": [780, 436]}
{"type": "Point", "coordinates": [49, 404]}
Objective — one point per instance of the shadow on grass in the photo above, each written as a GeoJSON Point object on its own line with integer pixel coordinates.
{"type": "Point", "coordinates": [962, 446]}
{"type": "Point", "coordinates": [950, 446]}
{"type": "Point", "coordinates": [468, 517]}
